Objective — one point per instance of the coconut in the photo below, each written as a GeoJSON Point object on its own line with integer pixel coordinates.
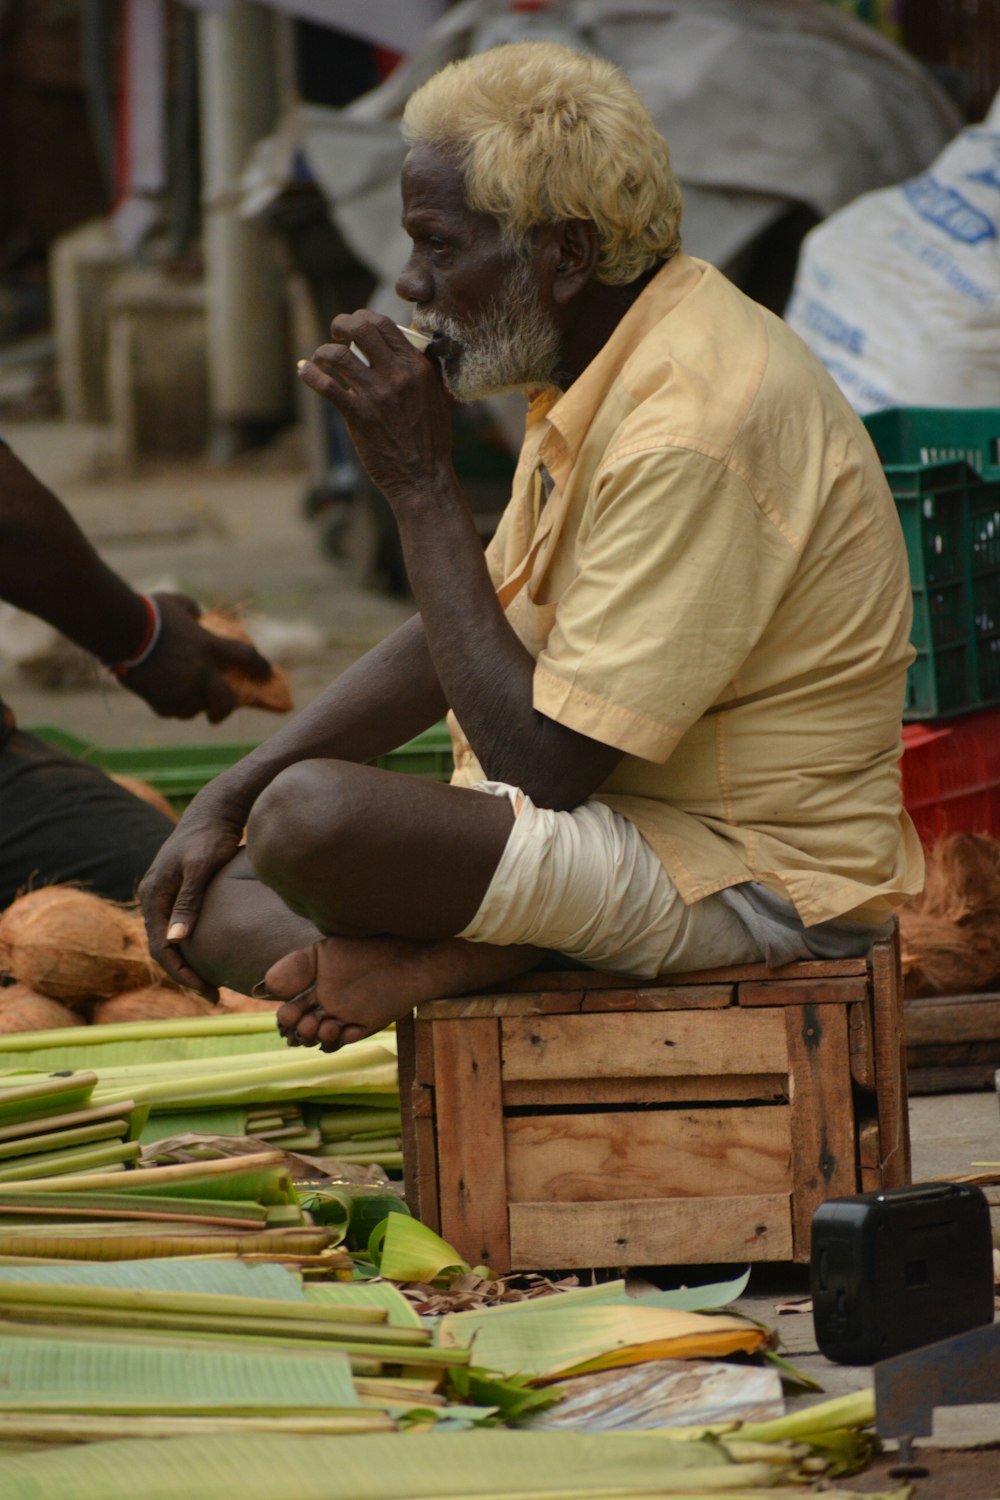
{"type": "Point", "coordinates": [951, 934]}
{"type": "Point", "coordinates": [146, 793]}
{"type": "Point", "coordinates": [150, 1003]}
{"type": "Point", "coordinates": [274, 693]}
{"type": "Point", "coordinates": [22, 1010]}
{"type": "Point", "coordinates": [22, 908]}
{"type": "Point", "coordinates": [74, 946]}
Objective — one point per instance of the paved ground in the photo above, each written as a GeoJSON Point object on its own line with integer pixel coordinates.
{"type": "Point", "coordinates": [238, 535]}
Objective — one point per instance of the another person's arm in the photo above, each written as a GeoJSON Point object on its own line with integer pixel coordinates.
{"type": "Point", "coordinates": [49, 568]}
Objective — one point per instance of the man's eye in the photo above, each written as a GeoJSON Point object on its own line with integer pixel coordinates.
{"type": "Point", "coordinates": [437, 246]}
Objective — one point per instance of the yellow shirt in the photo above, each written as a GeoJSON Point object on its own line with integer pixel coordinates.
{"type": "Point", "coordinates": [717, 585]}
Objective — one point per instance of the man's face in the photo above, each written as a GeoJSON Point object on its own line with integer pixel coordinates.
{"type": "Point", "coordinates": [468, 288]}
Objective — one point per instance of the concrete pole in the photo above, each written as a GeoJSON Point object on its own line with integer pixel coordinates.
{"type": "Point", "coordinates": [248, 375]}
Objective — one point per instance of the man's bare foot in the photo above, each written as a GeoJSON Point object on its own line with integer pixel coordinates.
{"type": "Point", "coordinates": [340, 990]}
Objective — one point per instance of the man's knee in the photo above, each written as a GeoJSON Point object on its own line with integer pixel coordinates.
{"type": "Point", "coordinates": [305, 813]}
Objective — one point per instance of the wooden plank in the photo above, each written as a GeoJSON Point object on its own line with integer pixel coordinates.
{"type": "Point", "coordinates": [548, 981]}
{"type": "Point", "coordinates": [406, 1067]}
{"type": "Point", "coordinates": [822, 1113]}
{"type": "Point", "coordinates": [862, 1044]}
{"type": "Point", "coordinates": [672, 997]}
{"type": "Point", "coordinates": [570, 1002]}
{"type": "Point", "coordinates": [664, 1043]}
{"type": "Point", "coordinates": [471, 1171]}
{"type": "Point", "coordinates": [547, 1092]}
{"type": "Point", "coordinates": [799, 992]}
{"type": "Point", "coordinates": [663, 1153]}
{"type": "Point", "coordinates": [415, 1044]}
{"type": "Point", "coordinates": [953, 1080]}
{"type": "Point", "coordinates": [428, 1209]}
{"type": "Point", "coordinates": [890, 1061]}
{"type": "Point", "coordinates": [672, 1231]}
{"type": "Point", "coordinates": [821, 968]}
{"type": "Point", "coordinates": [593, 979]}
{"type": "Point", "coordinates": [953, 1055]}
{"type": "Point", "coordinates": [952, 1018]}
{"type": "Point", "coordinates": [476, 1007]}
{"type": "Point", "coordinates": [423, 1053]}
{"type": "Point", "coordinates": [869, 1156]}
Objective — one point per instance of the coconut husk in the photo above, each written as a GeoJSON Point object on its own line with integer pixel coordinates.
{"type": "Point", "coordinates": [146, 793]}
{"type": "Point", "coordinates": [150, 1003]}
{"type": "Point", "coordinates": [951, 934]}
{"type": "Point", "coordinates": [73, 946]}
{"type": "Point", "coordinates": [274, 693]}
{"type": "Point", "coordinates": [234, 1003]}
{"type": "Point", "coordinates": [963, 877]}
{"type": "Point", "coordinates": [21, 1009]}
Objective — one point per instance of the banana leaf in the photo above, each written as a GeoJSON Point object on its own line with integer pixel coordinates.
{"type": "Point", "coordinates": [262, 1178]}
{"type": "Point", "coordinates": [401, 1314]}
{"type": "Point", "coordinates": [477, 1465]}
{"type": "Point", "coordinates": [162, 1125]}
{"type": "Point", "coordinates": [24, 1429]}
{"type": "Point", "coordinates": [132, 1242]}
{"type": "Point", "coordinates": [221, 1278]}
{"type": "Point", "coordinates": [61, 1140]}
{"type": "Point", "coordinates": [403, 1249]}
{"type": "Point", "coordinates": [61, 1120]}
{"type": "Point", "coordinates": [25, 1098]}
{"type": "Point", "coordinates": [62, 1163]}
{"type": "Point", "coordinates": [575, 1340]}
{"type": "Point", "coordinates": [67, 1375]}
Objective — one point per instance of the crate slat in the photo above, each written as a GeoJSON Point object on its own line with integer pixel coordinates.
{"type": "Point", "coordinates": [823, 1139]}
{"type": "Point", "coordinates": [471, 1171]}
{"type": "Point", "coordinates": [650, 1231]}
{"type": "Point", "coordinates": [692, 1089]}
{"type": "Point", "coordinates": [658, 1044]}
{"type": "Point", "coordinates": [686, 1153]}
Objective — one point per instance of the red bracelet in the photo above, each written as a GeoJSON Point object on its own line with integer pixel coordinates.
{"type": "Point", "coordinates": [154, 624]}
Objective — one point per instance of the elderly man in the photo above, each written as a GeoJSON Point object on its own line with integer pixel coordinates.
{"type": "Point", "coordinates": [676, 677]}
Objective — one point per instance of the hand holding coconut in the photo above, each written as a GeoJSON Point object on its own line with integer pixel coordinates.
{"type": "Point", "coordinates": [191, 669]}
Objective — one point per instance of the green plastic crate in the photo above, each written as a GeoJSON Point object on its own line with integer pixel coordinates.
{"type": "Point", "coordinates": [943, 467]}
{"type": "Point", "coordinates": [933, 434]}
{"type": "Point", "coordinates": [180, 771]}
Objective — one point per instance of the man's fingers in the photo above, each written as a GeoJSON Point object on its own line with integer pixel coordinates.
{"type": "Point", "coordinates": [319, 381]}
{"type": "Point", "coordinates": [172, 959]}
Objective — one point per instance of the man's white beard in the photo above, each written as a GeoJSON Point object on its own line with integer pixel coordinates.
{"type": "Point", "coordinates": [512, 345]}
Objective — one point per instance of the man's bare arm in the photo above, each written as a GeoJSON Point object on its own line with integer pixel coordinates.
{"type": "Point", "coordinates": [399, 419]}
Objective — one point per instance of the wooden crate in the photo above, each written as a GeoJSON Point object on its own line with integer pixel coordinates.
{"type": "Point", "coordinates": [581, 1119]}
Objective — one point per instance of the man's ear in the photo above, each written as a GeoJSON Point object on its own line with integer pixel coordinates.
{"type": "Point", "coordinates": [571, 251]}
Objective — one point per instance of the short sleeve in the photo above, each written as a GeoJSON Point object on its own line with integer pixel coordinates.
{"type": "Point", "coordinates": [678, 574]}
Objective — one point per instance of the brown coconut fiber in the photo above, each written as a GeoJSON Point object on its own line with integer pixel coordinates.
{"type": "Point", "coordinates": [150, 1003]}
{"type": "Point", "coordinates": [274, 693]}
{"type": "Point", "coordinates": [951, 934]}
{"type": "Point", "coordinates": [146, 793]}
{"type": "Point", "coordinates": [231, 1002]}
{"type": "Point", "coordinates": [21, 1009]}
{"type": "Point", "coordinates": [73, 946]}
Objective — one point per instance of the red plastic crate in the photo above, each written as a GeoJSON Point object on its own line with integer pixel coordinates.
{"type": "Point", "coordinates": [951, 775]}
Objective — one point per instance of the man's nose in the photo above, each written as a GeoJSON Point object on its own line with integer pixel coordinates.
{"type": "Point", "coordinates": [412, 285]}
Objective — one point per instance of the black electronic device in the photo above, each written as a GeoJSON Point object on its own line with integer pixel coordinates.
{"type": "Point", "coordinates": [896, 1269]}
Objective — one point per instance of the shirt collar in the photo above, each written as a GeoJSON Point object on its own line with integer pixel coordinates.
{"type": "Point", "coordinates": [570, 415]}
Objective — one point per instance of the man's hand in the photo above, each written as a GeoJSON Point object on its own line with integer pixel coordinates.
{"type": "Point", "coordinates": [395, 407]}
{"type": "Point", "coordinates": [183, 676]}
{"type": "Point", "coordinates": [174, 886]}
